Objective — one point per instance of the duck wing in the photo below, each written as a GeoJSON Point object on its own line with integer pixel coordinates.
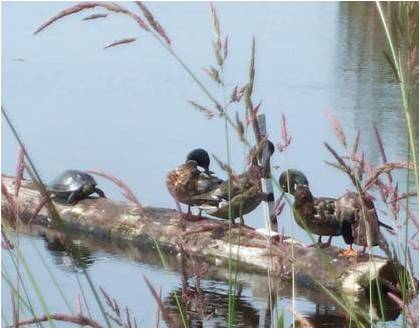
{"type": "Point", "coordinates": [359, 224]}
{"type": "Point", "coordinates": [205, 182]}
{"type": "Point", "coordinates": [181, 181]}
{"type": "Point", "coordinates": [241, 204]}
{"type": "Point", "coordinates": [240, 183]}
{"type": "Point", "coordinates": [237, 185]}
{"type": "Point", "coordinates": [325, 215]}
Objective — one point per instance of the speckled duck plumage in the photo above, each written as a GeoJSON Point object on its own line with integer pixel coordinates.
{"type": "Point", "coordinates": [359, 221]}
{"type": "Point", "coordinates": [246, 192]}
{"type": "Point", "coordinates": [316, 214]}
{"type": "Point", "coordinates": [187, 181]}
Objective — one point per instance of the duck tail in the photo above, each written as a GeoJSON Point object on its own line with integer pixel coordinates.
{"type": "Point", "coordinates": [385, 225]}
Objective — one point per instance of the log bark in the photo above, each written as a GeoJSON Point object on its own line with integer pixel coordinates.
{"type": "Point", "coordinates": [188, 267]}
{"type": "Point", "coordinates": [209, 239]}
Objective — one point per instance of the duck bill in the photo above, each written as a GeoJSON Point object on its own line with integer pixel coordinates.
{"type": "Point", "coordinates": [208, 171]}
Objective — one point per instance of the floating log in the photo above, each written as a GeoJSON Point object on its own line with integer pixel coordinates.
{"type": "Point", "coordinates": [208, 239]}
{"type": "Point", "coordinates": [89, 244]}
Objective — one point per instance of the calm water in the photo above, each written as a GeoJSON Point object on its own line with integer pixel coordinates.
{"type": "Point", "coordinates": [125, 111]}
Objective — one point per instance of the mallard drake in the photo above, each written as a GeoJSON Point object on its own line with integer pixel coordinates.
{"type": "Point", "coordinates": [187, 181]}
{"type": "Point", "coordinates": [317, 215]}
{"type": "Point", "coordinates": [359, 224]}
{"type": "Point", "coordinates": [246, 193]}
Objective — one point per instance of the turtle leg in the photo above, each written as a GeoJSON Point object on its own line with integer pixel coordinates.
{"type": "Point", "coordinates": [100, 192]}
{"type": "Point", "coordinates": [73, 198]}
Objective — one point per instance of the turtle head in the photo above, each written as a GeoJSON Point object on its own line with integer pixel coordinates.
{"type": "Point", "coordinates": [291, 179]}
{"type": "Point", "coordinates": [201, 157]}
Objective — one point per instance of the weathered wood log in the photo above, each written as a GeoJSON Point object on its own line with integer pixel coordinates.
{"type": "Point", "coordinates": [209, 239]}
{"type": "Point", "coordinates": [256, 282]}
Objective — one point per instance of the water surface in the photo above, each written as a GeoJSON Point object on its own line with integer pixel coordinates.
{"type": "Point", "coordinates": [124, 110]}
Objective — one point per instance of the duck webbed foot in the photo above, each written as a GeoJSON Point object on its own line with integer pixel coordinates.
{"type": "Point", "coordinates": [350, 252]}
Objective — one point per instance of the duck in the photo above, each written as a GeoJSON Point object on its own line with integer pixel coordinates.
{"type": "Point", "coordinates": [315, 214]}
{"type": "Point", "coordinates": [359, 220]}
{"type": "Point", "coordinates": [245, 191]}
{"type": "Point", "coordinates": [201, 156]}
{"type": "Point", "coordinates": [187, 180]}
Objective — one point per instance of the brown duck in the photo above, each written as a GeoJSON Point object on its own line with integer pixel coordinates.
{"type": "Point", "coordinates": [359, 222]}
{"type": "Point", "coordinates": [187, 181]}
{"type": "Point", "coordinates": [317, 215]}
{"type": "Point", "coordinates": [246, 193]}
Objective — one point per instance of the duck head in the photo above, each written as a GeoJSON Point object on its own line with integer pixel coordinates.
{"type": "Point", "coordinates": [256, 153]}
{"type": "Point", "coordinates": [201, 157]}
{"type": "Point", "coordinates": [290, 179]}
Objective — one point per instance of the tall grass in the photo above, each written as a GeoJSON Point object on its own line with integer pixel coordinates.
{"type": "Point", "coordinates": [53, 213]}
{"type": "Point", "coordinates": [404, 63]}
{"type": "Point", "coordinates": [353, 164]}
{"type": "Point", "coordinates": [403, 45]}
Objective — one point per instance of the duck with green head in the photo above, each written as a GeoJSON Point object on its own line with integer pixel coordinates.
{"type": "Point", "coordinates": [315, 214]}
{"type": "Point", "coordinates": [187, 181]}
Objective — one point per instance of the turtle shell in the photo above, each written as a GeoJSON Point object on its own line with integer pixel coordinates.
{"type": "Point", "coordinates": [71, 181]}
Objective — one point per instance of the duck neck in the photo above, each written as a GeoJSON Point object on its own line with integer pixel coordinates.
{"type": "Point", "coordinates": [303, 196]}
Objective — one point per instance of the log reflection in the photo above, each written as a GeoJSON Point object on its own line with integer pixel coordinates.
{"type": "Point", "coordinates": [205, 303]}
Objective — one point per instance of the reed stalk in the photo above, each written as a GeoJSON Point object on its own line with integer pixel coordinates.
{"type": "Point", "coordinates": [56, 219]}
{"type": "Point", "coordinates": [401, 78]}
{"type": "Point", "coordinates": [156, 30]}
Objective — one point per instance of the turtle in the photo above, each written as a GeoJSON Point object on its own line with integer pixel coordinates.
{"type": "Point", "coordinates": [73, 185]}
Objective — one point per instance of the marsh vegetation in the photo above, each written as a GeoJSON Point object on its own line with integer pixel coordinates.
{"type": "Point", "coordinates": [136, 107]}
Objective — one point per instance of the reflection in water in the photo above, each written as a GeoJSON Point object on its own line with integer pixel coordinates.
{"type": "Point", "coordinates": [204, 304]}
{"type": "Point", "coordinates": [367, 91]}
{"type": "Point", "coordinates": [210, 308]}
{"type": "Point", "coordinates": [332, 316]}
{"type": "Point", "coordinates": [324, 317]}
{"type": "Point", "coordinates": [363, 89]}
{"type": "Point", "coordinates": [69, 260]}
